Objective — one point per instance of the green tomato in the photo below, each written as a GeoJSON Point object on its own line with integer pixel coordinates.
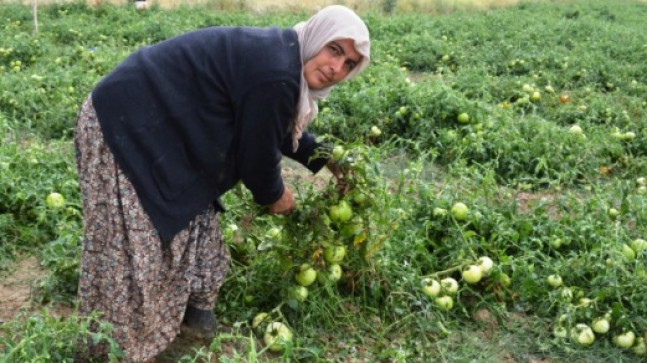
{"type": "Point", "coordinates": [486, 264]}
{"type": "Point", "coordinates": [473, 274]}
{"type": "Point", "coordinates": [613, 213]}
{"type": "Point", "coordinates": [54, 200]}
{"type": "Point", "coordinates": [274, 233]}
{"type": "Point", "coordinates": [460, 211]}
{"type": "Point", "coordinates": [583, 334]}
{"type": "Point", "coordinates": [527, 88]}
{"type": "Point", "coordinates": [560, 332]}
{"type": "Point", "coordinates": [554, 280]}
{"type": "Point", "coordinates": [629, 252]}
{"type": "Point", "coordinates": [555, 243]}
{"type": "Point", "coordinates": [259, 319]}
{"type": "Point", "coordinates": [430, 287]}
{"type": "Point", "coordinates": [638, 245]}
{"type": "Point", "coordinates": [505, 280]}
{"type": "Point", "coordinates": [444, 302]}
{"type": "Point", "coordinates": [585, 302]}
{"type": "Point", "coordinates": [334, 253]}
{"type": "Point", "coordinates": [640, 348]}
{"type": "Point", "coordinates": [352, 228]}
{"type": "Point", "coordinates": [566, 293]}
{"type": "Point", "coordinates": [345, 211]}
{"type": "Point", "coordinates": [306, 275]}
{"type": "Point", "coordinates": [338, 152]}
{"type": "Point", "coordinates": [375, 131]}
{"type": "Point", "coordinates": [300, 293]}
{"type": "Point", "coordinates": [334, 272]}
{"type": "Point", "coordinates": [439, 212]}
{"type": "Point", "coordinates": [449, 285]}
{"type": "Point", "coordinates": [575, 130]}
{"type": "Point", "coordinates": [334, 212]}
{"type": "Point", "coordinates": [624, 340]}
{"type": "Point", "coordinates": [277, 336]}
{"type": "Point", "coordinates": [359, 197]}
{"type": "Point", "coordinates": [463, 118]}
{"type": "Point", "coordinates": [601, 326]}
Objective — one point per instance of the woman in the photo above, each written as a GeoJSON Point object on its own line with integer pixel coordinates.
{"type": "Point", "coordinates": [170, 130]}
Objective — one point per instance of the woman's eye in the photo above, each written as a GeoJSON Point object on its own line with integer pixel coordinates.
{"type": "Point", "coordinates": [334, 49]}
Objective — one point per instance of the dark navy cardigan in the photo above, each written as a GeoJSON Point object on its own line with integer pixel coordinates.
{"type": "Point", "coordinates": [189, 117]}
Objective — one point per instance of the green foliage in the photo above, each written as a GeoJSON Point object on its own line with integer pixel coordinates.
{"type": "Point", "coordinates": [61, 258]}
{"type": "Point", "coordinates": [42, 337]}
{"type": "Point", "coordinates": [31, 169]}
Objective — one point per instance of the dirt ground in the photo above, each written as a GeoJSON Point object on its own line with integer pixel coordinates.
{"type": "Point", "coordinates": [16, 288]}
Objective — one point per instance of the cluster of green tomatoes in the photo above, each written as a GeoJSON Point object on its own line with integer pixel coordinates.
{"type": "Point", "coordinates": [339, 227]}
{"type": "Point", "coordinates": [444, 290]}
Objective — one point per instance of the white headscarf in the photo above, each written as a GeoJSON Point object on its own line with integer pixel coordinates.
{"type": "Point", "coordinates": [331, 23]}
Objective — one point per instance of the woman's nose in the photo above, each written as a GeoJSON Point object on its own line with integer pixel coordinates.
{"type": "Point", "coordinates": [337, 65]}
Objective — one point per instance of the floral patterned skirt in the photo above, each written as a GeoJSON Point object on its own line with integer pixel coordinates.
{"type": "Point", "coordinates": [139, 287]}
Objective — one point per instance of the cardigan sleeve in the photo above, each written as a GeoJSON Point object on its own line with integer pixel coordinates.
{"type": "Point", "coordinates": [306, 153]}
{"type": "Point", "coordinates": [263, 115]}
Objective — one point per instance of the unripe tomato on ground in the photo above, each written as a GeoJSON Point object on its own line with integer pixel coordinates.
{"type": "Point", "coordinates": [583, 334]}
{"type": "Point", "coordinates": [334, 253]}
{"type": "Point", "coordinates": [439, 212]}
{"type": "Point", "coordinates": [444, 302]}
{"type": "Point", "coordinates": [306, 275]}
{"type": "Point", "coordinates": [277, 336]}
{"type": "Point", "coordinates": [334, 272]}
{"type": "Point", "coordinates": [430, 287]}
{"type": "Point", "coordinates": [54, 200]}
{"type": "Point", "coordinates": [601, 326]}
{"type": "Point", "coordinates": [505, 280]}
{"type": "Point", "coordinates": [554, 280]}
{"type": "Point", "coordinates": [473, 274]}
{"type": "Point", "coordinates": [640, 348]}
{"type": "Point", "coordinates": [463, 118]}
{"type": "Point", "coordinates": [625, 340]}
{"type": "Point", "coordinates": [575, 130]}
{"type": "Point", "coordinates": [300, 293]}
{"type": "Point", "coordinates": [449, 285]}
{"type": "Point", "coordinates": [560, 332]}
{"type": "Point", "coordinates": [460, 211]}
{"type": "Point", "coordinates": [486, 264]}
{"type": "Point", "coordinates": [259, 319]}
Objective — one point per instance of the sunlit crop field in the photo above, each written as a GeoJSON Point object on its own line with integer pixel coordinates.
{"type": "Point", "coordinates": [273, 5]}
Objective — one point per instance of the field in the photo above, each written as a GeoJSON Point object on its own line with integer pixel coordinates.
{"type": "Point", "coordinates": [497, 211]}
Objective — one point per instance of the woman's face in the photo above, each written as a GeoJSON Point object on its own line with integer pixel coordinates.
{"type": "Point", "coordinates": [332, 64]}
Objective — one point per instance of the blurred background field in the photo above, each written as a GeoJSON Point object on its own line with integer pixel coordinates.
{"type": "Point", "coordinates": [432, 6]}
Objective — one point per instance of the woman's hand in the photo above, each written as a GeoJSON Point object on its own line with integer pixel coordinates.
{"type": "Point", "coordinates": [285, 204]}
{"type": "Point", "coordinates": [341, 177]}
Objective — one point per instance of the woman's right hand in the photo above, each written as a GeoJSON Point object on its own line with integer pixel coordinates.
{"type": "Point", "coordinates": [341, 177]}
{"type": "Point", "coordinates": [285, 204]}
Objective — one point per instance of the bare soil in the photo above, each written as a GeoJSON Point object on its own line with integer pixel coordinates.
{"type": "Point", "coordinates": [16, 288]}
